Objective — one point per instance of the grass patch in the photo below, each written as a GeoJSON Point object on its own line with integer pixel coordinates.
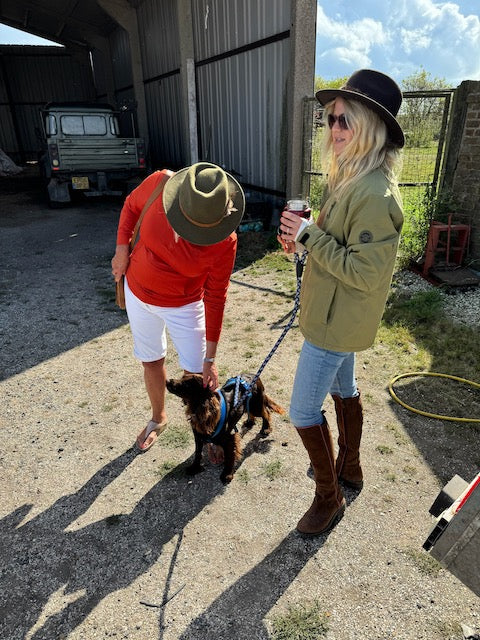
{"type": "Point", "coordinates": [390, 476]}
{"type": "Point", "coordinates": [421, 337]}
{"type": "Point", "coordinates": [166, 467]}
{"type": "Point", "coordinates": [409, 471]}
{"type": "Point", "coordinates": [300, 622]}
{"type": "Point", "coordinates": [243, 476]}
{"type": "Point", "coordinates": [176, 437]}
{"type": "Point", "coordinates": [273, 470]}
{"type": "Point", "coordinates": [449, 630]}
{"type": "Point", "coordinates": [384, 449]}
{"type": "Point", "coordinates": [400, 438]}
{"type": "Point", "coordinates": [424, 307]}
{"type": "Point", "coordinates": [424, 562]}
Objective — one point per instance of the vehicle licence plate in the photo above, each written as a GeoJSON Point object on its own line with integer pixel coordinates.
{"type": "Point", "coordinates": [80, 182]}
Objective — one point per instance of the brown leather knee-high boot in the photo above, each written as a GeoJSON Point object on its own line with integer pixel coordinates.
{"type": "Point", "coordinates": [350, 420]}
{"type": "Point", "coordinates": [328, 504]}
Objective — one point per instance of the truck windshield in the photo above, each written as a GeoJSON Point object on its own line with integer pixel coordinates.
{"type": "Point", "coordinates": [84, 125]}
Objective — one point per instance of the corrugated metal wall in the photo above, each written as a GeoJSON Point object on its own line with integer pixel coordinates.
{"type": "Point", "coordinates": [242, 50]}
{"type": "Point", "coordinates": [29, 78]}
{"type": "Point", "coordinates": [159, 41]}
{"type": "Point", "coordinates": [242, 108]}
{"type": "Point", "coordinates": [242, 55]}
{"type": "Point", "coordinates": [222, 26]}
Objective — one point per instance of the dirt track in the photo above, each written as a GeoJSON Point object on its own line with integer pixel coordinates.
{"type": "Point", "coordinates": [92, 533]}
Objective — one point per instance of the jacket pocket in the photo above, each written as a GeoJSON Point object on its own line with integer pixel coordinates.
{"type": "Point", "coordinates": [317, 303]}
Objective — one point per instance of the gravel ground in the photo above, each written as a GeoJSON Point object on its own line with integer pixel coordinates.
{"type": "Point", "coordinates": [462, 305]}
{"type": "Point", "coordinates": [98, 542]}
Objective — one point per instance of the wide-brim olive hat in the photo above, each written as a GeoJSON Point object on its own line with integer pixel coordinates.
{"type": "Point", "coordinates": [377, 91]}
{"type": "Point", "coordinates": [203, 203]}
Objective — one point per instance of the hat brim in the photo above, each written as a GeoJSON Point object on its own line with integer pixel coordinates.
{"type": "Point", "coordinates": [188, 230]}
{"type": "Point", "coordinates": [324, 96]}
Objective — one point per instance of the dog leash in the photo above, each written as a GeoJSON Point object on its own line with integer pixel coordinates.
{"type": "Point", "coordinates": [299, 264]}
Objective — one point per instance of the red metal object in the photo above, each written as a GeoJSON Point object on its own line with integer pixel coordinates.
{"type": "Point", "coordinates": [448, 239]}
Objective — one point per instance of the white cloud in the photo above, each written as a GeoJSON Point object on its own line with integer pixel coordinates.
{"type": "Point", "coordinates": [347, 44]}
{"type": "Point", "coordinates": [349, 58]}
{"type": "Point", "coordinates": [399, 37]}
{"type": "Point", "coordinates": [414, 39]}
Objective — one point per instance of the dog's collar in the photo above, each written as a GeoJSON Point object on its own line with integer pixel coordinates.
{"type": "Point", "coordinates": [223, 415]}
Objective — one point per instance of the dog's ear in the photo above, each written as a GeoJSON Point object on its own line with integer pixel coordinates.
{"type": "Point", "coordinates": [204, 412]}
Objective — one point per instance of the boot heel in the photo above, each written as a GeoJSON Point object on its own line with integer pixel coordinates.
{"type": "Point", "coordinates": [333, 523]}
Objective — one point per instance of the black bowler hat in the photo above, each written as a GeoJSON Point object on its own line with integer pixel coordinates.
{"type": "Point", "coordinates": [378, 92]}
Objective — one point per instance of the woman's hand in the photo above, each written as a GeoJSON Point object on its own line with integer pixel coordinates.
{"type": "Point", "coordinates": [290, 225]}
{"type": "Point", "coordinates": [120, 261]}
{"type": "Point", "coordinates": [210, 375]}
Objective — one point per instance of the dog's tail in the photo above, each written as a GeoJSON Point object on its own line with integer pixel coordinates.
{"type": "Point", "coordinates": [273, 406]}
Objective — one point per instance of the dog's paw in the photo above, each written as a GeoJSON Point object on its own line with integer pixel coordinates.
{"type": "Point", "coordinates": [193, 469]}
{"type": "Point", "coordinates": [248, 424]}
{"type": "Point", "coordinates": [226, 477]}
{"type": "Point", "coordinates": [265, 432]}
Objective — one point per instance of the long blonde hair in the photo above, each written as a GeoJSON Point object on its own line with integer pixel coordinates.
{"type": "Point", "coordinates": [368, 149]}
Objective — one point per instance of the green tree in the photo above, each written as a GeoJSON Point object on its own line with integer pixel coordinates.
{"type": "Point", "coordinates": [421, 116]}
{"type": "Point", "coordinates": [320, 83]}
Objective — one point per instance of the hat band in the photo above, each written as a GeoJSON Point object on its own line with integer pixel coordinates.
{"type": "Point", "coordinates": [204, 225]}
{"type": "Point", "coordinates": [355, 90]}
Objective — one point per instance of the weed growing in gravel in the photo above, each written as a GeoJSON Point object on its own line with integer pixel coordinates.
{"type": "Point", "coordinates": [449, 630]}
{"type": "Point", "coordinates": [390, 476]}
{"type": "Point", "coordinates": [400, 438]}
{"type": "Point", "coordinates": [424, 562]}
{"type": "Point", "coordinates": [273, 469]}
{"type": "Point", "coordinates": [384, 449]}
{"type": "Point", "coordinates": [409, 470]}
{"type": "Point", "coordinates": [166, 467]}
{"type": "Point", "coordinates": [243, 476]}
{"type": "Point", "coordinates": [300, 622]}
{"type": "Point", "coordinates": [177, 437]}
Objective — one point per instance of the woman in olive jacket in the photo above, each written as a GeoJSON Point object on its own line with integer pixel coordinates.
{"type": "Point", "coordinates": [351, 255]}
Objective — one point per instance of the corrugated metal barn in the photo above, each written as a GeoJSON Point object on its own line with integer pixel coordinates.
{"type": "Point", "coordinates": [217, 80]}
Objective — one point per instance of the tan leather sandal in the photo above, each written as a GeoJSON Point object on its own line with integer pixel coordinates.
{"type": "Point", "coordinates": [152, 426]}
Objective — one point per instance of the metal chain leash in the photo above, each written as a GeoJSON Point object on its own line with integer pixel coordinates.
{"type": "Point", "coordinates": [299, 264]}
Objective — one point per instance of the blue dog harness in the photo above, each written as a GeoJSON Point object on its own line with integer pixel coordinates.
{"type": "Point", "coordinates": [237, 383]}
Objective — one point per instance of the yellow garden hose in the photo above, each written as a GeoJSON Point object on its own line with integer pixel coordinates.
{"type": "Point", "coordinates": [425, 413]}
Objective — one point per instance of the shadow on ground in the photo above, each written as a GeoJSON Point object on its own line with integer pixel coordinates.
{"type": "Point", "coordinates": [39, 557]}
{"type": "Point", "coordinates": [449, 447]}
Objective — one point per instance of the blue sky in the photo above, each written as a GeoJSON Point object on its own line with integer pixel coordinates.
{"type": "Point", "coordinates": [15, 36]}
{"type": "Point", "coordinates": [399, 37]}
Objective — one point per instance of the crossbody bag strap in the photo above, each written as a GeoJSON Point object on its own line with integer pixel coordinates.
{"type": "Point", "coordinates": [153, 196]}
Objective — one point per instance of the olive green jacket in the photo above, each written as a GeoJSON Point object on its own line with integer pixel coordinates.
{"type": "Point", "coordinates": [350, 265]}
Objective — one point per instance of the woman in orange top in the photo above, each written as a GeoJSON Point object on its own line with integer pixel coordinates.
{"type": "Point", "coordinates": [178, 273]}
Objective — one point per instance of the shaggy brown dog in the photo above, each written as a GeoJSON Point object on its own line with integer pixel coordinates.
{"type": "Point", "coordinates": [210, 423]}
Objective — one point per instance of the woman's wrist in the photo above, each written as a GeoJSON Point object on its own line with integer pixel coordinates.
{"type": "Point", "coordinates": [209, 359]}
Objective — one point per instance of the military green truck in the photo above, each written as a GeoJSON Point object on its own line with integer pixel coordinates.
{"type": "Point", "coordinates": [82, 151]}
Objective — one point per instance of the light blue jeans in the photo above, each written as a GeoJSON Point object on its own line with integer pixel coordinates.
{"type": "Point", "coordinates": [319, 372]}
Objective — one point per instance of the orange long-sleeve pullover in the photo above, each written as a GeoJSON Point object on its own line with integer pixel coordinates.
{"type": "Point", "coordinates": [168, 271]}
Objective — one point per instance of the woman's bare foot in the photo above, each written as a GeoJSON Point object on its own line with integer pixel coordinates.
{"type": "Point", "coordinates": [148, 436]}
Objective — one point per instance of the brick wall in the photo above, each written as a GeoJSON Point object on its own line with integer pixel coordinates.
{"type": "Point", "coordinates": [465, 178]}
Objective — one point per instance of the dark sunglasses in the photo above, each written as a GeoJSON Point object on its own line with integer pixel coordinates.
{"type": "Point", "coordinates": [342, 122]}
